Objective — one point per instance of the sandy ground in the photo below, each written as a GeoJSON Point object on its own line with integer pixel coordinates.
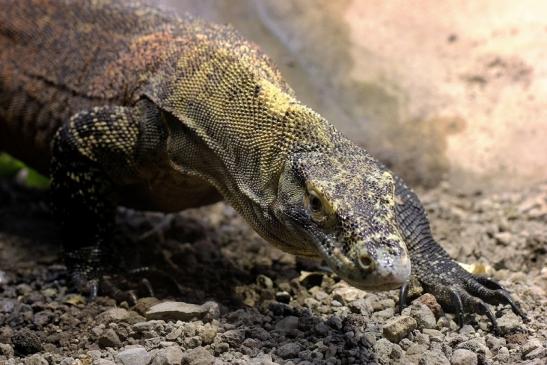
{"type": "Point", "coordinates": [451, 96]}
{"type": "Point", "coordinates": [264, 306]}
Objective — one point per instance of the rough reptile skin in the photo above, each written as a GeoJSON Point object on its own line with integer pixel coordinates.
{"type": "Point", "coordinates": [126, 104]}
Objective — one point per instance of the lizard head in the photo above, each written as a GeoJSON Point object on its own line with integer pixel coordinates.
{"type": "Point", "coordinates": [343, 206]}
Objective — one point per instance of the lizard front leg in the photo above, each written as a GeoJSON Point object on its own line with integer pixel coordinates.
{"type": "Point", "coordinates": [438, 274]}
{"type": "Point", "coordinates": [94, 155]}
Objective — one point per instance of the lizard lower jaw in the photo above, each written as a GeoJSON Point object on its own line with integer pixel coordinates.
{"type": "Point", "coordinates": [390, 272]}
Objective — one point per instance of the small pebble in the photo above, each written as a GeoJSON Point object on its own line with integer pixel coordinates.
{"type": "Point", "coordinates": [168, 356]}
{"type": "Point", "coordinates": [134, 356]}
{"type": "Point", "coordinates": [398, 328]}
{"type": "Point", "coordinates": [464, 357]}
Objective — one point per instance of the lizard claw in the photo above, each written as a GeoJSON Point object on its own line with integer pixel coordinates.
{"type": "Point", "coordinates": [457, 303]}
{"type": "Point", "coordinates": [403, 296]}
{"type": "Point", "coordinates": [464, 292]}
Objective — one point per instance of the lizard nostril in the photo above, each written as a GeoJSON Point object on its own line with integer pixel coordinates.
{"type": "Point", "coordinates": [366, 262]}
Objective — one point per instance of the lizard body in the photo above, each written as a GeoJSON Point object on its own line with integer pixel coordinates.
{"type": "Point", "coordinates": [130, 105]}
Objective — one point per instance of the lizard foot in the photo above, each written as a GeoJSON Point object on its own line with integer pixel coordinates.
{"type": "Point", "coordinates": [461, 292]}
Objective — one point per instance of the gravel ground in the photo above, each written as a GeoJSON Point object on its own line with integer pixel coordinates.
{"type": "Point", "coordinates": [238, 300]}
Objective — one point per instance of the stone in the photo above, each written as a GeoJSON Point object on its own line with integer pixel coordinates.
{"type": "Point", "coordinates": [176, 311]}
{"type": "Point", "coordinates": [386, 351]}
{"type": "Point", "coordinates": [207, 333]}
{"type": "Point", "coordinates": [6, 350]}
{"type": "Point", "coordinates": [398, 328]}
{"type": "Point", "coordinates": [347, 294]}
{"type": "Point", "coordinates": [433, 358]}
{"type": "Point", "coordinates": [134, 355]}
{"type": "Point", "coordinates": [477, 345]}
{"type": "Point", "coordinates": [283, 297]}
{"type": "Point", "coordinates": [504, 238]}
{"type": "Point", "coordinates": [26, 342]}
{"type": "Point", "coordinates": [197, 356]}
{"type": "Point", "coordinates": [311, 279]}
{"type": "Point", "coordinates": [503, 355]}
{"type": "Point", "coordinates": [431, 302]}
{"type": "Point", "coordinates": [109, 338]}
{"type": "Point", "coordinates": [144, 304]}
{"type": "Point", "coordinates": [168, 356]}
{"type": "Point", "coordinates": [434, 335]}
{"type": "Point", "coordinates": [264, 282]}
{"type": "Point", "coordinates": [103, 362]}
{"type": "Point", "coordinates": [36, 359]}
{"type": "Point", "coordinates": [233, 337]}
{"type": "Point", "coordinates": [288, 350]}
{"type": "Point", "coordinates": [509, 322]}
{"type": "Point", "coordinates": [537, 353]}
{"type": "Point", "coordinates": [464, 357]}
{"type": "Point", "coordinates": [287, 324]}
{"type": "Point", "coordinates": [113, 315]}
{"type": "Point", "coordinates": [531, 345]}
{"type": "Point", "coordinates": [494, 342]}
{"type": "Point", "coordinates": [423, 315]}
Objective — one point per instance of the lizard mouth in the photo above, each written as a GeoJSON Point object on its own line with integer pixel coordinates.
{"type": "Point", "coordinates": [386, 269]}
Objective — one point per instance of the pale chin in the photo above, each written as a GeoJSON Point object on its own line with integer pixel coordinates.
{"type": "Point", "coordinates": [373, 287]}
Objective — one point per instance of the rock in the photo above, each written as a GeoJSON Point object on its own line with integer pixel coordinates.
{"type": "Point", "coordinates": [176, 311]}
{"type": "Point", "coordinates": [287, 324]}
{"type": "Point", "coordinates": [387, 352]}
{"type": "Point", "coordinates": [168, 356]}
{"type": "Point", "coordinates": [531, 345]}
{"type": "Point", "coordinates": [26, 342]}
{"type": "Point", "coordinates": [113, 315]}
{"type": "Point", "coordinates": [103, 362]}
{"type": "Point", "coordinates": [464, 357]}
{"type": "Point", "coordinates": [197, 356]}
{"type": "Point", "coordinates": [509, 322]}
{"type": "Point", "coordinates": [414, 351]}
{"type": "Point", "coordinates": [477, 345]}
{"type": "Point", "coordinates": [335, 322]}
{"type": "Point", "coordinates": [360, 306]}
{"type": "Point", "coordinates": [289, 350]}
{"type": "Point", "coordinates": [144, 304]}
{"type": "Point", "coordinates": [207, 333]}
{"type": "Point", "coordinates": [311, 279]}
{"type": "Point", "coordinates": [109, 338]}
{"type": "Point", "coordinates": [233, 337]}
{"type": "Point", "coordinates": [264, 282]}
{"type": "Point", "coordinates": [221, 347]}
{"type": "Point", "coordinates": [494, 342]}
{"type": "Point", "coordinates": [347, 294]}
{"type": "Point", "coordinates": [434, 335]}
{"type": "Point", "coordinates": [431, 302]}
{"type": "Point", "coordinates": [422, 314]}
{"type": "Point", "coordinates": [398, 328]}
{"type": "Point", "coordinates": [433, 358]}
{"type": "Point", "coordinates": [135, 355]}
{"type": "Point", "coordinates": [36, 360]}
{"type": "Point", "coordinates": [504, 238]}
{"type": "Point", "coordinates": [503, 355]}
{"type": "Point", "coordinates": [537, 353]}
{"type": "Point", "coordinates": [6, 350]}
{"type": "Point", "coordinates": [260, 333]}
{"type": "Point", "coordinates": [283, 297]}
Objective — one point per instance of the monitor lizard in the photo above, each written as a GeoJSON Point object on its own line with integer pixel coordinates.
{"type": "Point", "coordinates": [125, 104]}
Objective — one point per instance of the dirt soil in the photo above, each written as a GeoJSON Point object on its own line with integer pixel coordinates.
{"type": "Point", "coordinates": [259, 305]}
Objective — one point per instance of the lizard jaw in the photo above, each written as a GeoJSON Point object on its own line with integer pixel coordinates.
{"type": "Point", "coordinates": [385, 272]}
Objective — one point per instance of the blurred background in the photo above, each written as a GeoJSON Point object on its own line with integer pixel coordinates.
{"type": "Point", "coordinates": [439, 90]}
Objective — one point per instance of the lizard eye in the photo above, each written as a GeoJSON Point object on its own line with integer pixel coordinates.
{"type": "Point", "coordinates": [318, 207]}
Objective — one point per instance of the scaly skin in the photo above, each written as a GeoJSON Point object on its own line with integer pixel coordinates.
{"type": "Point", "coordinates": [129, 105]}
